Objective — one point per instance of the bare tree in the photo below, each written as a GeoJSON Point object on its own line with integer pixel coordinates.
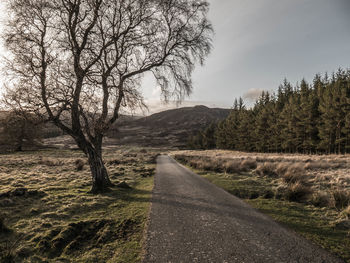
{"type": "Point", "coordinates": [79, 62]}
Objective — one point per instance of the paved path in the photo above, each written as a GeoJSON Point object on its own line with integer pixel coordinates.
{"type": "Point", "coordinates": [192, 220]}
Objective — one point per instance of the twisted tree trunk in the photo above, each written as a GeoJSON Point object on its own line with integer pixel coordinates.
{"type": "Point", "coordinates": [100, 179]}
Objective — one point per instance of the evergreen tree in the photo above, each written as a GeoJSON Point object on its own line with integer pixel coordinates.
{"type": "Point", "coordinates": [309, 118]}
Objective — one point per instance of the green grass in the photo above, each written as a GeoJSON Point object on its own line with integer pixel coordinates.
{"type": "Point", "coordinates": [311, 222]}
{"type": "Point", "coordinates": [58, 220]}
{"type": "Point", "coordinates": [314, 223]}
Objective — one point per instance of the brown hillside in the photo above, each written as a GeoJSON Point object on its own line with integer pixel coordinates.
{"type": "Point", "coordinates": [168, 128]}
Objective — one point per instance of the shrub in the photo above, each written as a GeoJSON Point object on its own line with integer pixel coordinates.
{"type": "Point", "coordinates": [341, 198]}
{"type": "Point", "coordinates": [297, 192]}
{"type": "Point", "coordinates": [79, 164]}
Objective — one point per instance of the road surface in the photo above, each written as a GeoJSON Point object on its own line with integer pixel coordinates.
{"type": "Point", "coordinates": [192, 220]}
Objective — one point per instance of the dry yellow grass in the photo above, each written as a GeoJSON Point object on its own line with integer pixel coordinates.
{"type": "Point", "coordinates": [310, 194]}
{"type": "Point", "coordinates": [321, 171]}
{"type": "Point", "coordinates": [51, 217]}
{"type": "Point", "coordinates": [326, 176]}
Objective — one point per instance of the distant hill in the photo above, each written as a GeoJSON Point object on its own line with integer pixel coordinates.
{"type": "Point", "coordinates": [168, 128]}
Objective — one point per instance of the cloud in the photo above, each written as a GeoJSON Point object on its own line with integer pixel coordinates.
{"type": "Point", "coordinates": [253, 94]}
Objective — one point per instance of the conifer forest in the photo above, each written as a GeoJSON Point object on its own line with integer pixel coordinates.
{"type": "Point", "coordinates": [305, 118]}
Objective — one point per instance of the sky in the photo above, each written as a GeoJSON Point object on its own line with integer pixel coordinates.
{"type": "Point", "coordinates": [259, 43]}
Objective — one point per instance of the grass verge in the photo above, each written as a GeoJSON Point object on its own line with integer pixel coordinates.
{"type": "Point", "coordinates": [49, 216]}
{"type": "Point", "coordinates": [321, 225]}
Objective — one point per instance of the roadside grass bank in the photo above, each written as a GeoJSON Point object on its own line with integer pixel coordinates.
{"type": "Point", "coordinates": [48, 215]}
{"type": "Point", "coordinates": [308, 196]}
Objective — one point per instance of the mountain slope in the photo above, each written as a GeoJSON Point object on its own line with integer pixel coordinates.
{"type": "Point", "coordinates": [168, 128]}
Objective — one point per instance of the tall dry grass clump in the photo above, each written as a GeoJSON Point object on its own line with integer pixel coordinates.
{"type": "Point", "coordinates": [266, 169]}
{"type": "Point", "coordinates": [217, 163]}
{"type": "Point", "coordinates": [346, 212]}
{"type": "Point", "coordinates": [317, 165]}
{"type": "Point", "coordinates": [49, 161]}
{"type": "Point", "coordinates": [322, 199]}
{"type": "Point", "coordinates": [282, 167]}
{"type": "Point", "coordinates": [79, 164]}
{"type": "Point", "coordinates": [232, 166]}
{"type": "Point", "coordinates": [249, 164]}
{"type": "Point", "coordinates": [294, 174]}
{"type": "Point", "coordinates": [297, 192]}
{"type": "Point", "coordinates": [341, 198]}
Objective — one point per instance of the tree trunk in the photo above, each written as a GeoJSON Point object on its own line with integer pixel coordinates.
{"type": "Point", "coordinates": [100, 178]}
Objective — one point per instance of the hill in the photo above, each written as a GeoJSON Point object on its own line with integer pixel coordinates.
{"type": "Point", "coordinates": [167, 128]}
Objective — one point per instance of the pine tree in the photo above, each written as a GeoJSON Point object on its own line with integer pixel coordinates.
{"type": "Point", "coordinates": [308, 118]}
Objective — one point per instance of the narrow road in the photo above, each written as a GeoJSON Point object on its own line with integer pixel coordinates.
{"type": "Point", "coordinates": [192, 220]}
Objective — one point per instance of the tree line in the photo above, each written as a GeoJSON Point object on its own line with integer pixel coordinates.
{"type": "Point", "coordinates": [305, 118]}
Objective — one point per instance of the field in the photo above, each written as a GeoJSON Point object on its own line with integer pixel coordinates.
{"type": "Point", "coordinates": [47, 214]}
{"type": "Point", "coordinates": [308, 194]}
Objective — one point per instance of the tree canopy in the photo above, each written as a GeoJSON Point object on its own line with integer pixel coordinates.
{"type": "Point", "coordinates": [79, 62]}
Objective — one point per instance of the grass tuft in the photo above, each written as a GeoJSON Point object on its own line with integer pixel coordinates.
{"type": "Point", "coordinates": [341, 198]}
{"type": "Point", "coordinates": [294, 175]}
{"type": "Point", "coordinates": [297, 192]}
{"type": "Point", "coordinates": [79, 164]}
{"type": "Point", "coordinates": [321, 199]}
{"type": "Point", "coordinates": [266, 169]}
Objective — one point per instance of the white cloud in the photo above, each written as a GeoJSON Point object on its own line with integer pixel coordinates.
{"type": "Point", "coordinates": [253, 94]}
